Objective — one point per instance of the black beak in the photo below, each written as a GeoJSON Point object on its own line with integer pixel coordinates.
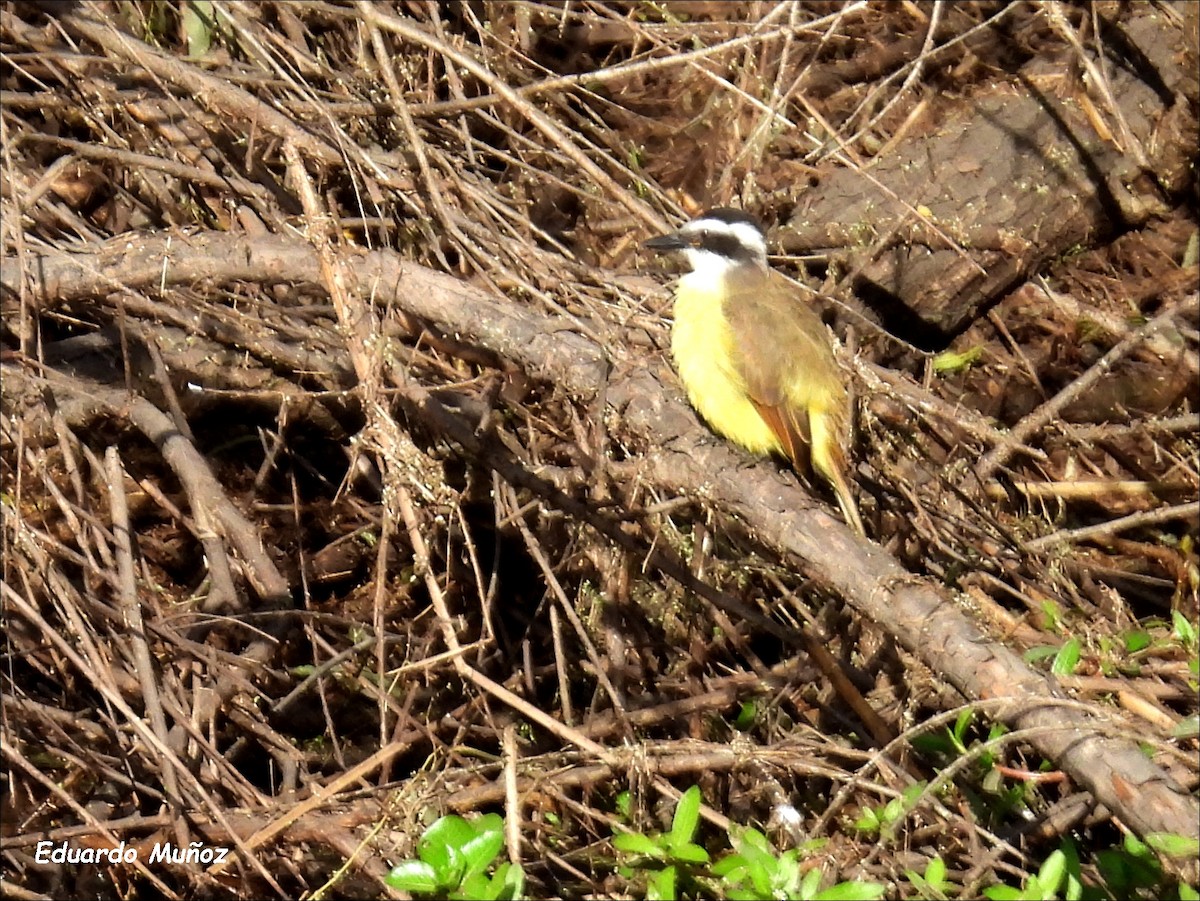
{"type": "Point", "coordinates": [666, 243]}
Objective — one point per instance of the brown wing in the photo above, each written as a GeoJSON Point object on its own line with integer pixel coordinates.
{"type": "Point", "coordinates": [793, 381]}
{"type": "Point", "coordinates": [786, 363]}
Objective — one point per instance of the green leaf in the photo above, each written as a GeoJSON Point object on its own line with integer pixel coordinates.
{"type": "Point", "coordinates": [414, 877]}
{"type": "Point", "coordinates": [1115, 870]}
{"type": "Point", "coordinates": [477, 887]}
{"type": "Point", "coordinates": [1184, 628]}
{"type": "Point", "coordinates": [445, 860]}
{"type": "Point", "coordinates": [949, 362]}
{"type": "Point", "coordinates": [939, 743]}
{"type": "Point", "coordinates": [1136, 641]}
{"type": "Point", "coordinates": [729, 864]}
{"type": "Point", "coordinates": [919, 882]}
{"type": "Point", "coordinates": [1074, 887]}
{"type": "Point", "coordinates": [450, 831]}
{"type": "Point", "coordinates": [961, 725]}
{"type": "Point", "coordinates": [760, 876]}
{"type": "Point", "coordinates": [687, 816]}
{"type": "Point", "coordinates": [513, 879]}
{"type": "Point", "coordinates": [1135, 845]}
{"type": "Point", "coordinates": [750, 840]}
{"type": "Point", "coordinates": [479, 853]}
{"type": "Point", "coordinates": [1002, 893]}
{"type": "Point", "coordinates": [505, 885]}
{"type": "Point", "coordinates": [1039, 652]}
{"type": "Point", "coordinates": [1051, 873]}
{"type": "Point", "coordinates": [810, 883]}
{"type": "Point", "coordinates": [636, 843]}
{"type": "Point", "coordinates": [1187, 893]}
{"type": "Point", "coordinates": [1173, 845]}
{"type": "Point", "coordinates": [851, 891]}
{"type": "Point", "coordinates": [747, 714]}
{"type": "Point", "coordinates": [661, 886]}
{"type": "Point", "coordinates": [788, 878]}
{"type": "Point", "coordinates": [624, 801]}
{"type": "Point", "coordinates": [489, 822]}
{"type": "Point", "coordinates": [1067, 658]}
{"type": "Point", "coordinates": [197, 21]}
{"type": "Point", "coordinates": [893, 810]}
{"type": "Point", "coordinates": [764, 871]}
{"type": "Point", "coordinates": [1188, 727]}
{"type": "Point", "coordinates": [689, 853]}
{"type": "Point", "coordinates": [935, 872]}
{"type": "Point", "coordinates": [1052, 614]}
{"type": "Point", "coordinates": [456, 848]}
{"type": "Point", "coordinates": [868, 822]}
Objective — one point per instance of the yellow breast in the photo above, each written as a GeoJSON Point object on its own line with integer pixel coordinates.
{"type": "Point", "coordinates": [703, 347]}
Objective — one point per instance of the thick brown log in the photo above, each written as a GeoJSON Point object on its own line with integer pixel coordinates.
{"type": "Point", "coordinates": [1021, 175]}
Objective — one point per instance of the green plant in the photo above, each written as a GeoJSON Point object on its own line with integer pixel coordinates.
{"type": "Point", "coordinates": [950, 362]}
{"type": "Point", "coordinates": [1067, 658]}
{"type": "Point", "coordinates": [1051, 616]}
{"type": "Point", "coordinates": [932, 884]}
{"type": "Point", "coordinates": [1172, 845]}
{"type": "Point", "coordinates": [199, 25]}
{"type": "Point", "coordinates": [998, 796]}
{"type": "Point", "coordinates": [1185, 632]}
{"type": "Point", "coordinates": [454, 860]}
{"type": "Point", "coordinates": [1130, 870]}
{"type": "Point", "coordinates": [755, 870]}
{"type": "Point", "coordinates": [1043, 886]}
{"type": "Point", "coordinates": [670, 850]}
{"type": "Point", "coordinates": [747, 716]}
{"type": "Point", "coordinates": [884, 820]}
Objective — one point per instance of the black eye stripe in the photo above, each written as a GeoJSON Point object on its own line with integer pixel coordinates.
{"type": "Point", "coordinates": [723, 244]}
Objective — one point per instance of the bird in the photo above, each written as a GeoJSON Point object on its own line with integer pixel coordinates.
{"type": "Point", "coordinates": [754, 357]}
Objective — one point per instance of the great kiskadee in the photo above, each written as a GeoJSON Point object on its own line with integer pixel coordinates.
{"type": "Point", "coordinates": [754, 357]}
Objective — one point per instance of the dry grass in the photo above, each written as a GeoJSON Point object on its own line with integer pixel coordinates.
{"type": "Point", "coordinates": [294, 596]}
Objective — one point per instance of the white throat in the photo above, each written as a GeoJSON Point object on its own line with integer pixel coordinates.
{"type": "Point", "coordinates": [707, 267]}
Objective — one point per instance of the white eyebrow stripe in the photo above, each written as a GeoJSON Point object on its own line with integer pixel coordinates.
{"type": "Point", "coordinates": [745, 233]}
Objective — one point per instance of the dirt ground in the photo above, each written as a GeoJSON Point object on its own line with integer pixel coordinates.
{"type": "Point", "coordinates": [347, 483]}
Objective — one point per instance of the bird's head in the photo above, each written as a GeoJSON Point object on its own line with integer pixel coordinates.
{"type": "Point", "coordinates": [717, 241]}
